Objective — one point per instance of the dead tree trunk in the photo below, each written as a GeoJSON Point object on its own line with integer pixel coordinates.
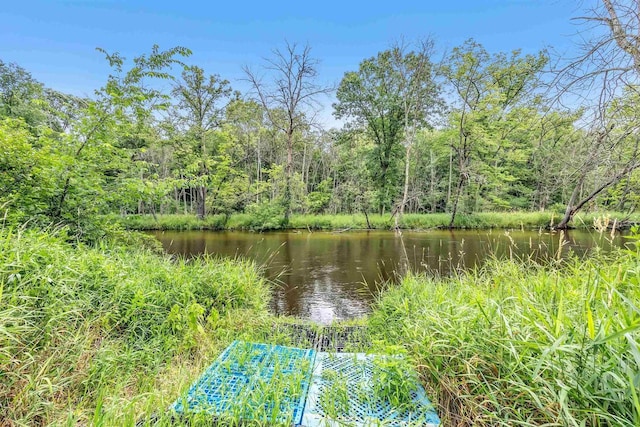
{"type": "Point", "coordinates": [573, 209]}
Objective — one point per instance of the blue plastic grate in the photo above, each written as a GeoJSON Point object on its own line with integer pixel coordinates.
{"type": "Point", "coordinates": [341, 393]}
{"type": "Point", "coordinates": [252, 382]}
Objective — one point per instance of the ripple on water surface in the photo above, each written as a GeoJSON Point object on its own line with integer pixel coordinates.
{"type": "Point", "coordinates": [327, 276]}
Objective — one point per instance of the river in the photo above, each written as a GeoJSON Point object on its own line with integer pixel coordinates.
{"type": "Point", "coordinates": [326, 276]}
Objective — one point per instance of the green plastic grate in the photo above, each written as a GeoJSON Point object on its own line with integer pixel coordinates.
{"type": "Point", "coordinates": [341, 393]}
{"type": "Point", "coordinates": [252, 381]}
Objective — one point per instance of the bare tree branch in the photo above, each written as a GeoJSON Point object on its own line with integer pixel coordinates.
{"type": "Point", "coordinates": [289, 98]}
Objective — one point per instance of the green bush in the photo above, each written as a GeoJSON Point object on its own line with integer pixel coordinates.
{"type": "Point", "coordinates": [265, 216]}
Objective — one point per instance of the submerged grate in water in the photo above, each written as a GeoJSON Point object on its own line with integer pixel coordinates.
{"type": "Point", "coordinates": [325, 338]}
{"type": "Point", "coordinates": [341, 393]}
{"type": "Point", "coordinates": [252, 382]}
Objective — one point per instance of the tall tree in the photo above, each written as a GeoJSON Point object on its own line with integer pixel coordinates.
{"type": "Point", "coordinates": [199, 111]}
{"type": "Point", "coordinates": [391, 95]}
{"type": "Point", "coordinates": [290, 98]}
{"type": "Point", "coordinates": [246, 121]}
{"type": "Point", "coordinates": [21, 96]}
{"type": "Point", "coordinates": [489, 90]}
{"type": "Point", "coordinates": [95, 145]}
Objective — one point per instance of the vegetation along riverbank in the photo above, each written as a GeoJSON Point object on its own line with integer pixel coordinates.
{"type": "Point", "coordinates": [517, 344]}
{"type": "Point", "coordinates": [344, 222]}
{"type": "Point", "coordinates": [105, 333]}
{"type": "Point", "coordinates": [114, 333]}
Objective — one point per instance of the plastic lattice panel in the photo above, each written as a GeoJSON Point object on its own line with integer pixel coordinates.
{"type": "Point", "coordinates": [342, 393]}
{"type": "Point", "coordinates": [252, 382]}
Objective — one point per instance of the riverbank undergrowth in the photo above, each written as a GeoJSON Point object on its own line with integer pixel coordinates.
{"type": "Point", "coordinates": [486, 220]}
{"type": "Point", "coordinates": [106, 333]}
{"type": "Point", "coordinates": [109, 334]}
{"type": "Point", "coordinates": [518, 344]}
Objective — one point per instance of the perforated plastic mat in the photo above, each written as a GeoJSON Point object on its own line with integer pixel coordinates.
{"type": "Point", "coordinates": [341, 393]}
{"type": "Point", "coordinates": [271, 383]}
{"type": "Point", "coordinates": [252, 382]}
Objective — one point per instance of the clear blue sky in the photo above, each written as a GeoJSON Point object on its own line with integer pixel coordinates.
{"type": "Point", "coordinates": [56, 39]}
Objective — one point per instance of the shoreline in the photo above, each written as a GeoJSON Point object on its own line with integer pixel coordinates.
{"type": "Point", "coordinates": [358, 222]}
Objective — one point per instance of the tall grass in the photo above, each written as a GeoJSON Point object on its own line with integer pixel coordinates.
{"type": "Point", "coordinates": [102, 335]}
{"type": "Point", "coordinates": [259, 222]}
{"type": "Point", "coordinates": [517, 344]}
{"type": "Point", "coordinates": [106, 333]}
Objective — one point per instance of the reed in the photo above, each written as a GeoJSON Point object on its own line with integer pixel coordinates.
{"type": "Point", "coordinates": [514, 343]}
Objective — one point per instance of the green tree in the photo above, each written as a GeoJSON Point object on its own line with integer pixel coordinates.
{"type": "Point", "coordinates": [27, 171]}
{"type": "Point", "coordinates": [245, 120]}
{"type": "Point", "coordinates": [353, 189]}
{"type": "Point", "coordinates": [493, 95]}
{"type": "Point", "coordinates": [391, 95]}
{"type": "Point", "coordinates": [432, 170]}
{"type": "Point", "coordinates": [97, 149]}
{"type": "Point", "coordinates": [198, 112]}
{"type": "Point", "coordinates": [21, 96]}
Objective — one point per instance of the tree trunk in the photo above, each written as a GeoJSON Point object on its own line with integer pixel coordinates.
{"type": "Point", "coordinates": [455, 201]}
{"type": "Point", "coordinates": [432, 183]}
{"type": "Point", "coordinates": [405, 193]}
{"type": "Point", "coordinates": [572, 210]}
{"type": "Point", "coordinates": [366, 216]}
{"type": "Point", "coordinates": [287, 179]}
{"type": "Point", "coordinates": [201, 206]}
{"type": "Point", "coordinates": [202, 190]}
{"type": "Point", "coordinates": [153, 212]}
{"type": "Point", "coordinates": [305, 178]}
{"type": "Point", "coordinates": [450, 177]}
{"type": "Point", "coordinates": [258, 172]}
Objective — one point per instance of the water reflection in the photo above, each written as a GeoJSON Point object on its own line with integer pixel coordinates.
{"type": "Point", "coordinates": [325, 276]}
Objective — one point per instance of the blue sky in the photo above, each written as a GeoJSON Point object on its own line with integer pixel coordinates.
{"type": "Point", "coordinates": [55, 40]}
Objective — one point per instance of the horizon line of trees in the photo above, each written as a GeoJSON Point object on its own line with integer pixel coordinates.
{"type": "Point", "coordinates": [476, 131]}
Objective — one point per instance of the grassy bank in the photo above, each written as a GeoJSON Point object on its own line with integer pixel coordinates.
{"type": "Point", "coordinates": [516, 344]}
{"type": "Point", "coordinates": [106, 335]}
{"type": "Point", "coordinates": [484, 220]}
{"type": "Point", "coordinates": [103, 335]}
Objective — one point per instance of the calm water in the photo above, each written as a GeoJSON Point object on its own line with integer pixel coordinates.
{"type": "Point", "coordinates": [326, 275]}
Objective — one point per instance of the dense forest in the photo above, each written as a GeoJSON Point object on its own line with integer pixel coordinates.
{"type": "Point", "coordinates": [476, 131]}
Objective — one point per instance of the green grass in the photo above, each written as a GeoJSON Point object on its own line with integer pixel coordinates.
{"type": "Point", "coordinates": [112, 332]}
{"type": "Point", "coordinates": [518, 344]}
{"type": "Point", "coordinates": [105, 335]}
{"type": "Point", "coordinates": [485, 220]}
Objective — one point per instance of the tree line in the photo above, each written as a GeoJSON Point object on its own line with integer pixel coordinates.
{"type": "Point", "coordinates": [475, 131]}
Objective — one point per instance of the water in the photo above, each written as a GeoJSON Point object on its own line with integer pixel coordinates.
{"type": "Point", "coordinates": [326, 276]}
